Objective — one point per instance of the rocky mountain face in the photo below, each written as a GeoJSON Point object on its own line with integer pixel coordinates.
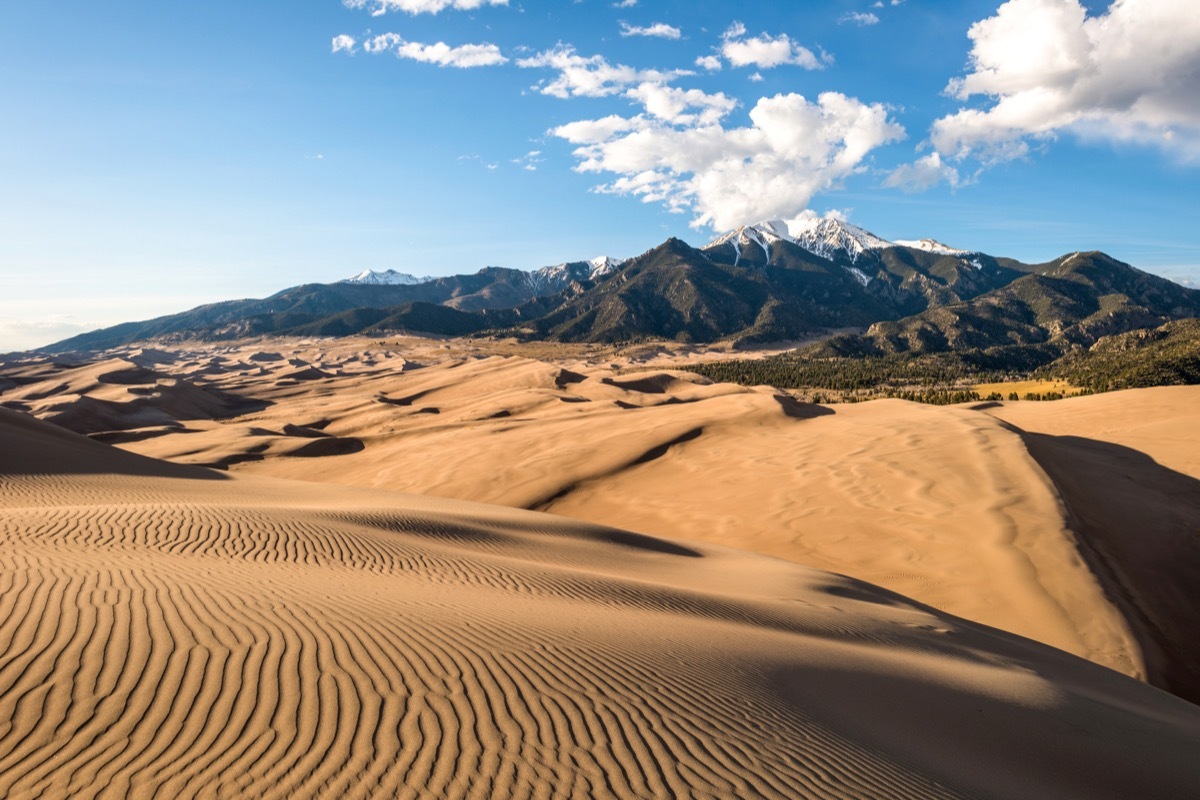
{"type": "Point", "coordinates": [1072, 301]}
{"type": "Point", "coordinates": [766, 282]}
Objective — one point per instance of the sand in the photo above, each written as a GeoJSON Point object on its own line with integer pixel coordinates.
{"type": "Point", "coordinates": [1127, 465]}
{"type": "Point", "coordinates": [172, 631]}
{"type": "Point", "coordinates": [945, 505]}
{"type": "Point", "coordinates": [950, 506]}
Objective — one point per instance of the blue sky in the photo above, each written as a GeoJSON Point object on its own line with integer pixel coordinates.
{"type": "Point", "coordinates": [157, 155]}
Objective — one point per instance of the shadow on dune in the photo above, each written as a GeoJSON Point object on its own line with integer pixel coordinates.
{"type": "Point", "coordinates": [652, 384]}
{"type": "Point", "coordinates": [641, 541]}
{"type": "Point", "coordinates": [797, 410]}
{"type": "Point", "coordinates": [1138, 525]}
{"type": "Point", "coordinates": [29, 446]}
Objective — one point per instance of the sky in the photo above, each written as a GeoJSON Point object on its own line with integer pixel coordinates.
{"type": "Point", "coordinates": [156, 155]}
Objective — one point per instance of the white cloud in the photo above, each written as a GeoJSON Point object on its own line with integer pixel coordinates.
{"type": "Point", "coordinates": [1131, 74]}
{"type": "Point", "coordinates": [736, 30]}
{"type": "Point", "coordinates": [659, 30]}
{"type": "Point", "coordinates": [710, 63]}
{"type": "Point", "coordinates": [924, 173]}
{"type": "Point", "coordinates": [380, 7]}
{"type": "Point", "coordinates": [764, 51]}
{"type": "Point", "coordinates": [382, 43]}
{"type": "Point", "coordinates": [674, 105]}
{"type": "Point", "coordinates": [726, 177]}
{"type": "Point", "coordinates": [590, 76]}
{"type": "Point", "coordinates": [859, 18]}
{"type": "Point", "coordinates": [625, 3]}
{"type": "Point", "coordinates": [441, 54]}
{"type": "Point", "coordinates": [342, 42]}
{"type": "Point", "coordinates": [529, 162]}
{"type": "Point", "coordinates": [588, 131]}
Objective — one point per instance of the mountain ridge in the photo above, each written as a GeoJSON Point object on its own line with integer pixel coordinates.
{"type": "Point", "coordinates": [766, 282]}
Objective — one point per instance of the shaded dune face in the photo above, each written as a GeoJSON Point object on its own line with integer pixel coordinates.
{"type": "Point", "coordinates": [952, 506]}
{"type": "Point", "coordinates": [1128, 468]}
{"type": "Point", "coordinates": [169, 635]}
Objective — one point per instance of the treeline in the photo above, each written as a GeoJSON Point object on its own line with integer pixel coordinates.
{"type": "Point", "coordinates": [874, 374]}
{"type": "Point", "coordinates": [1165, 356]}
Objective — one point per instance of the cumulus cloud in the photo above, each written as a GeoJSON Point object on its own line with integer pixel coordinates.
{"type": "Point", "coordinates": [342, 42]}
{"type": "Point", "coordinates": [1131, 74]}
{"type": "Point", "coordinates": [765, 51]}
{"type": "Point", "coordinates": [725, 177]}
{"type": "Point", "coordinates": [588, 76]}
{"type": "Point", "coordinates": [380, 7]}
{"type": "Point", "coordinates": [859, 18]}
{"type": "Point", "coordinates": [382, 43]}
{"type": "Point", "coordinates": [441, 54]}
{"type": "Point", "coordinates": [682, 106]}
{"type": "Point", "coordinates": [659, 30]}
{"type": "Point", "coordinates": [594, 76]}
{"type": "Point", "coordinates": [922, 174]}
{"type": "Point", "coordinates": [710, 63]}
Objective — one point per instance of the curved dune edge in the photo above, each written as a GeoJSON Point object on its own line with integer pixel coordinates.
{"type": "Point", "coordinates": [1127, 465]}
{"type": "Point", "coordinates": [176, 636]}
{"type": "Point", "coordinates": [945, 505]}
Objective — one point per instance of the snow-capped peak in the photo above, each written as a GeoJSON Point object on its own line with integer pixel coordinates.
{"type": "Point", "coordinates": [391, 277]}
{"type": "Point", "coordinates": [823, 236]}
{"type": "Point", "coordinates": [558, 276]}
{"type": "Point", "coordinates": [932, 246]}
{"type": "Point", "coordinates": [827, 237]}
{"type": "Point", "coordinates": [762, 235]}
{"type": "Point", "coordinates": [604, 265]}
{"type": "Point", "coordinates": [767, 232]}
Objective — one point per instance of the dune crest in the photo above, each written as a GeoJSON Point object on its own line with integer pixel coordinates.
{"type": "Point", "coordinates": [945, 505]}
{"type": "Point", "coordinates": [173, 636]}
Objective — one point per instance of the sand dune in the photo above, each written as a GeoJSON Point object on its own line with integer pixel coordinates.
{"type": "Point", "coordinates": [945, 505]}
{"type": "Point", "coordinates": [168, 631]}
{"type": "Point", "coordinates": [1128, 467]}
{"type": "Point", "coordinates": [942, 505]}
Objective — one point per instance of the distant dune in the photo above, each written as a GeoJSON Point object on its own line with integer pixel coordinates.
{"type": "Point", "coordinates": [176, 632]}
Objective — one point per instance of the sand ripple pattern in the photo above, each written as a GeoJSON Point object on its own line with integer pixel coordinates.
{"type": "Point", "coordinates": [165, 638]}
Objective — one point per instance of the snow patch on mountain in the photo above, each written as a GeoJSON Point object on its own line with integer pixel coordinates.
{"type": "Point", "coordinates": [605, 265]}
{"type": "Point", "coordinates": [390, 277]}
{"type": "Point", "coordinates": [932, 246]}
{"type": "Point", "coordinates": [762, 236]}
{"type": "Point", "coordinates": [555, 278]}
{"type": "Point", "coordinates": [829, 237]}
{"type": "Point", "coordinates": [543, 280]}
{"type": "Point", "coordinates": [859, 275]}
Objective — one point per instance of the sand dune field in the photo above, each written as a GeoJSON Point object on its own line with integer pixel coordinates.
{"type": "Point", "coordinates": [235, 600]}
{"type": "Point", "coordinates": [171, 631]}
{"type": "Point", "coordinates": [960, 508]}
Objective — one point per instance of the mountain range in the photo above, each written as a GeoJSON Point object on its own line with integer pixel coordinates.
{"type": "Point", "coordinates": [759, 283]}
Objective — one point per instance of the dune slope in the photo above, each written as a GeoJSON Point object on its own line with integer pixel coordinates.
{"type": "Point", "coordinates": [167, 634]}
{"type": "Point", "coordinates": [1128, 467]}
{"type": "Point", "coordinates": [944, 505]}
